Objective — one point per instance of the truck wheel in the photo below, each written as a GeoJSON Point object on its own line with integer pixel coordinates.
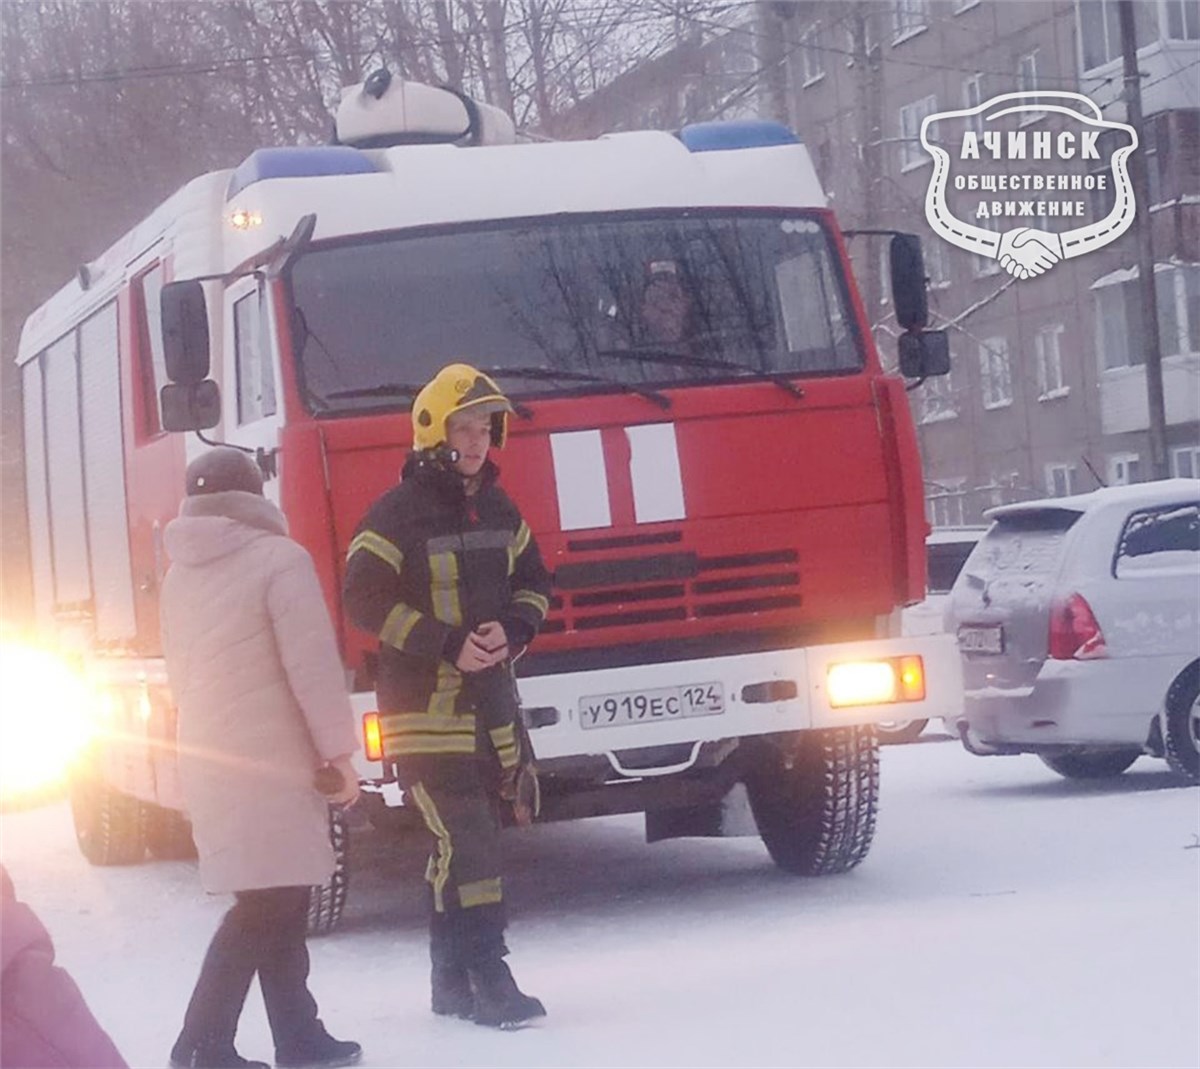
{"type": "Point", "coordinates": [109, 826]}
{"type": "Point", "coordinates": [326, 902]}
{"type": "Point", "coordinates": [1182, 741]}
{"type": "Point", "coordinates": [1091, 764]}
{"type": "Point", "coordinates": [814, 797]}
{"type": "Point", "coordinates": [893, 732]}
{"type": "Point", "coordinates": [168, 834]}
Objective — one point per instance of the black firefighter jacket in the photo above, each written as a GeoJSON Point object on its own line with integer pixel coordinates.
{"type": "Point", "coordinates": [426, 566]}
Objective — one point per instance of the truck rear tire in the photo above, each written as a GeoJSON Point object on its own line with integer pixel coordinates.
{"type": "Point", "coordinates": [814, 796]}
{"type": "Point", "coordinates": [327, 901]}
{"type": "Point", "coordinates": [1091, 764]}
{"type": "Point", "coordinates": [168, 834]}
{"type": "Point", "coordinates": [110, 827]}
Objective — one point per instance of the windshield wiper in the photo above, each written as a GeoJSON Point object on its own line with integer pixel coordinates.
{"type": "Point", "coordinates": [669, 356]}
{"type": "Point", "coordinates": [384, 389]}
{"type": "Point", "coordinates": [549, 373]}
{"type": "Point", "coordinates": [401, 389]}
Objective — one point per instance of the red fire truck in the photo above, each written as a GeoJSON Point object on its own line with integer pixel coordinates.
{"type": "Point", "coordinates": [722, 478]}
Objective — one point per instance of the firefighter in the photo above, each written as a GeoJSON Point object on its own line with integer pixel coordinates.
{"type": "Point", "coordinates": [445, 572]}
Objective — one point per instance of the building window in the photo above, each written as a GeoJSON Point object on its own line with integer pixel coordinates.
{"type": "Point", "coordinates": [937, 263]}
{"type": "Point", "coordinates": [912, 154]}
{"type": "Point", "coordinates": [938, 399]}
{"type": "Point", "coordinates": [151, 364]}
{"type": "Point", "coordinates": [1124, 469]}
{"type": "Point", "coordinates": [1049, 363]}
{"type": "Point", "coordinates": [1183, 20]}
{"type": "Point", "coordinates": [1119, 316]}
{"type": "Point", "coordinates": [1027, 82]}
{"type": "Point", "coordinates": [812, 56]}
{"type": "Point", "coordinates": [945, 503]}
{"type": "Point", "coordinates": [1061, 480]}
{"type": "Point", "coordinates": [909, 17]}
{"type": "Point", "coordinates": [996, 372]}
{"type": "Point", "coordinates": [1185, 462]}
{"type": "Point", "coordinates": [985, 265]}
{"type": "Point", "coordinates": [255, 378]}
{"type": "Point", "coordinates": [1100, 30]}
{"type": "Point", "coordinates": [972, 98]}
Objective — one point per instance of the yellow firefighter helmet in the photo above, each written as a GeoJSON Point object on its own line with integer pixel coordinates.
{"type": "Point", "coordinates": [457, 388]}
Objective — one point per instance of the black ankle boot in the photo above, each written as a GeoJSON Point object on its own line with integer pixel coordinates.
{"type": "Point", "coordinates": [210, 1056]}
{"type": "Point", "coordinates": [499, 1003]}
{"type": "Point", "coordinates": [320, 1052]}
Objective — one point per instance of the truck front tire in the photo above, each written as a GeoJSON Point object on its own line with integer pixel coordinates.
{"type": "Point", "coordinates": [814, 795]}
{"type": "Point", "coordinates": [327, 901]}
{"type": "Point", "coordinates": [109, 826]}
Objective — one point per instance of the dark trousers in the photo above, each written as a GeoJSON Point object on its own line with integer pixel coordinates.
{"type": "Point", "coordinates": [264, 934]}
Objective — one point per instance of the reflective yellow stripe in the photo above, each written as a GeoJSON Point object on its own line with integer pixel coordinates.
{"type": "Point", "coordinates": [445, 694]}
{"type": "Point", "coordinates": [443, 583]}
{"type": "Point", "coordinates": [480, 893]}
{"type": "Point", "coordinates": [533, 599]}
{"type": "Point", "coordinates": [441, 871]}
{"type": "Point", "coordinates": [504, 739]}
{"type": "Point", "coordinates": [402, 723]}
{"type": "Point", "coordinates": [410, 745]}
{"type": "Point", "coordinates": [521, 539]}
{"type": "Point", "coordinates": [380, 546]}
{"type": "Point", "coordinates": [398, 625]}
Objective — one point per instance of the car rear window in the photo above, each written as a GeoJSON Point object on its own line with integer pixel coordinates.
{"type": "Point", "coordinates": [1021, 554]}
{"type": "Point", "coordinates": [1159, 541]}
{"type": "Point", "coordinates": [946, 560]}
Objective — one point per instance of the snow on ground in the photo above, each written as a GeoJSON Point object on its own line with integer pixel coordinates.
{"type": "Point", "coordinates": [1005, 917]}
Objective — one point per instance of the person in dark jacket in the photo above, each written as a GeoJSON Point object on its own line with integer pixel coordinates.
{"type": "Point", "coordinates": [263, 710]}
{"type": "Point", "coordinates": [446, 573]}
{"type": "Point", "coordinates": [44, 1020]}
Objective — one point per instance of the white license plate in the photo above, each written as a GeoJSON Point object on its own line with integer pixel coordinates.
{"type": "Point", "coordinates": [651, 706]}
{"type": "Point", "coordinates": [981, 639]}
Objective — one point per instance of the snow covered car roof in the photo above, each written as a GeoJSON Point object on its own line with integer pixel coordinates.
{"type": "Point", "coordinates": [1162, 492]}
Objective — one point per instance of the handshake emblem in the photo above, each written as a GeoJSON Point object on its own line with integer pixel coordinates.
{"type": "Point", "coordinates": [1026, 252]}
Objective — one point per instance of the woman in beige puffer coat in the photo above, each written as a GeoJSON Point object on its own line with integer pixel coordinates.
{"type": "Point", "coordinates": [255, 672]}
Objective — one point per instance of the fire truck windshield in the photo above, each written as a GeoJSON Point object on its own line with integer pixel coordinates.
{"type": "Point", "coordinates": [635, 299]}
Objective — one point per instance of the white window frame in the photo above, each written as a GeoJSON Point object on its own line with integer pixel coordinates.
{"type": "Point", "coordinates": [1048, 348]}
{"type": "Point", "coordinates": [909, 18]}
{"type": "Point", "coordinates": [986, 265]}
{"type": "Point", "coordinates": [972, 96]}
{"type": "Point", "coordinates": [1119, 465]}
{"type": "Point", "coordinates": [995, 372]}
{"type": "Point", "coordinates": [1183, 7]}
{"type": "Point", "coordinates": [912, 155]}
{"type": "Point", "coordinates": [1027, 82]}
{"type": "Point", "coordinates": [812, 57]}
{"type": "Point", "coordinates": [1192, 453]}
{"type": "Point", "coordinates": [938, 399]}
{"type": "Point", "coordinates": [1067, 473]}
{"type": "Point", "coordinates": [1171, 285]}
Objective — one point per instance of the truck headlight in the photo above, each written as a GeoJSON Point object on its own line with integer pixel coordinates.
{"type": "Point", "coordinates": [883, 682]}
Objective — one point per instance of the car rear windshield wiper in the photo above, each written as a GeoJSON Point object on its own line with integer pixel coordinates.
{"type": "Point", "coordinates": [549, 373]}
{"type": "Point", "coordinates": [669, 356]}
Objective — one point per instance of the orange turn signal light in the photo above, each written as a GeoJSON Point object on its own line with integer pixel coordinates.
{"type": "Point", "coordinates": [372, 737]}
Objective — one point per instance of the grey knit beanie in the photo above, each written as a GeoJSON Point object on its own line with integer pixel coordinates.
{"type": "Point", "coordinates": [223, 469]}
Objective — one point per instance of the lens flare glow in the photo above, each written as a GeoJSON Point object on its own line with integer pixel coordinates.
{"type": "Point", "coordinates": [46, 709]}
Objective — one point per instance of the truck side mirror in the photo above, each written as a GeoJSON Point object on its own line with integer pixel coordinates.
{"type": "Point", "coordinates": [185, 332]}
{"type": "Point", "coordinates": [924, 354]}
{"type": "Point", "coordinates": [191, 406]}
{"type": "Point", "coordinates": [909, 296]}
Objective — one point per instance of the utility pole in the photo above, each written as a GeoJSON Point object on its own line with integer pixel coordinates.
{"type": "Point", "coordinates": [1142, 229]}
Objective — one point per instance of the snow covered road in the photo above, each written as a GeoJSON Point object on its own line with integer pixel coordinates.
{"type": "Point", "coordinates": [1005, 917]}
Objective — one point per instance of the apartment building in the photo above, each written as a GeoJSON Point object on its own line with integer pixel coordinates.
{"type": "Point", "coordinates": [1048, 391]}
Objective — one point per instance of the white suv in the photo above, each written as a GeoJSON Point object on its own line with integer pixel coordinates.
{"type": "Point", "coordinates": [1078, 620]}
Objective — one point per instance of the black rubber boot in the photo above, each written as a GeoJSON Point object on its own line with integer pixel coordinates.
{"type": "Point", "coordinates": [320, 1051]}
{"type": "Point", "coordinates": [499, 1003]}
{"type": "Point", "coordinates": [449, 984]}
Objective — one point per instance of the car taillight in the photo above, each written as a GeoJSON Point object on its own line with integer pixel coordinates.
{"type": "Point", "coordinates": [1074, 633]}
{"type": "Point", "coordinates": [372, 737]}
